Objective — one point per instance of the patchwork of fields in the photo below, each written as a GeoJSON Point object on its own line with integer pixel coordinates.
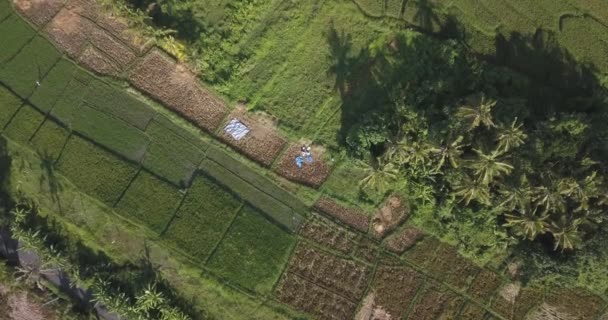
{"type": "Point", "coordinates": [227, 217]}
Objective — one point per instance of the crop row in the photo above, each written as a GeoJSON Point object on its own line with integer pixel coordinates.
{"type": "Point", "coordinates": [353, 217]}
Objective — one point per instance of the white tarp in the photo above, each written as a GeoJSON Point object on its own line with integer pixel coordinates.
{"type": "Point", "coordinates": [236, 129]}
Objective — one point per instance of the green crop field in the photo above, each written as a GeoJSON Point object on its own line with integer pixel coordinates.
{"type": "Point", "coordinates": [15, 34]}
{"type": "Point", "coordinates": [9, 104]}
{"type": "Point", "coordinates": [170, 155]}
{"type": "Point", "coordinates": [24, 124]}
{"type": "Point", "coordinates": [203, 218]}
{"type": "Point", "coordinates": [31, 65]}
{"type": "Point", "coordinates": [52, 87]}
{"type": "Point", "coordinates": [253, 253]}
{"type": "Point", "coordinates": [150, 201]}
{"type": "Point", "coordinates": [95, 171]}
{"type": "Point", "coordinates": [50, 139]}
{"type": "Point", "coordinates": [67, 106]}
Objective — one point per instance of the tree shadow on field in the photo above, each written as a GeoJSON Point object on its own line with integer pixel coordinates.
{"type": "Point", "coordinates": [47, 165]}
{"type": "Point", "coordinates": [426, 16]}
{"type": "Point", "coordinates": [6, 202]}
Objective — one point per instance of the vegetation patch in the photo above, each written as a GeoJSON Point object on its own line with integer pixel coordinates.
{"type": "Point", "coordinates": [24, 124]}
{"type": "Point", "coordinates": [178, 89]}
{"type": "Point", "coordinates": [423, 252]}
{"type": "Point", "coordinates": [37, 11]}
{"type": "Point", "coordinates": [393, 213]}
{"type": "Point", "coordinates": [345, 277]}
{"type": "Point", "coordinates": [485, 285]}
{"type": "Point", "coordinates": [67, 106]}
{"type": "Point", "coordinates": [404, 239]}
{"type": "Point", "coordinates": [95, 171]}
{"type": "Point", "coordinates": [49, 140]}
{"type": "Point", "coordinates": [308, 297]}
{"type": "Point", "coordinates": [311, 174]}
{"type": "Point", "coordinates": [396, 288]}
{"type": "Point", "coordinates": [117, 51]}
{"type": "Point", "coordinates": [10, 104]}
{"type": "Point", "coordinates": [353, 217]}
{"type": "Point", "coordinates": [150, 200]}
{"type": "Point", "coordinates": [472, 311]}
{"type": "Point", "coordinates": [53, 86]}
{"type": "Point", "coordinates": [452, 268]}
{"type": "Point", "coordinates": [69, 31]}
{"type": "Point", "coordinates": [203, 218]}
{"type": "Point", "coordinates": [98, 62]}
{"type": "Point", "coordinates": [329, 234]}
{"type": "Point", "coordinates": [576, 303]}
{"type": "Point", "coordinates": [170, 155]}
{"type": "Point", "coordinates": [15, 34]}
{"type": "Point", "coordinates": [253, 252]}
{"type": "Point", "coordinates": [367, 250]}
{"type": "Point", "coordinates": [30, 66]}
{"type": "Point", "coordinates": [434, 301]}
{"type": "Point", "coordinates": [514, 302]}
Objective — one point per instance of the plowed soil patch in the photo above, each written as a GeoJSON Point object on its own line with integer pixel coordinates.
{"type": "Point", "coordinates": [98, 62]}
{"type": "Point", "coordinates": [114, 49]}
{"type": "Point", "coordinates": [120, 28]}
{"type": "Point", "coordinates": [311, 174]}
{"type": "Point", "coordinates": [179, 90]}
{"type": "Point", "coordinates": [394, 212]}
{"type": "Point", "coordinates": [38, 11]}
{"type": "Point", "coordinates": [86, 8]}
{"type": "Point", "coordinates": [70, 32]}
{"type": "Point", "coordinates": [396, 289]}
{"type": "Point", "coordinates": [404, 240]}
{"type": "Point", "coordinates": [353, 217]}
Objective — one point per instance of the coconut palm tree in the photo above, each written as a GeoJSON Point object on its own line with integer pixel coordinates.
{"type": "Point", "coordinates": [150, 300]}
{"type": "Point", "coordinates": [565, 232]}
{"type": "Point", "coordinates": [487, 167]}
{"type": "Point", "coordinates": [550, 198]}
{"type": "Point", "coordinates": [477, 114]}
{"type": "Point", "coordinates": [527, 223]}
{"type": "Point", "coordinates": [450, 152]}
{"type": "Point", "coordinates": [511, 137]}
{"type": "Point", "coordinates": [516, 196]}
{"type": "Point", "coordinates": [468, 190]}
{"type": "Point", "coordinates": [379, 177]}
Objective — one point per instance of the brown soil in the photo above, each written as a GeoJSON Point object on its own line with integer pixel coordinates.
{"type": "Point", "coordinates": [120, 28]}
{"type": "Point", "coordinates": [38, 11]}
{"type": "Point", "coordinates": [396, 288]}
{"type": "Point", "coordinates": [70, 32]}
{"type": "Point", "coordinates": [312, 175]}
{"type": "Point", "coordinates": [394, 212]}
{"type": "Point", "coordinates": [24, 307]}
{"type": "Point", "coordinates": [98, 62]}
{"type": "Point", "coordinates": [329, 234]}
{"type": "Point", "coordinates": [404, 240]}
{"type": "Point", "coordinates": [179, 90]}
{"type": "Point", "coordinates": [547, 312]}
{"type": "Point", "coordinates": [353, 217]}
{"type": "Point", "coordinates": [114, 49]}
{"type": "Point", "coordinates": [262, 144]}
{"type": "Point", "coordinates": [87, 8]}
{"type": "Point", "coordinates": [484, 285]}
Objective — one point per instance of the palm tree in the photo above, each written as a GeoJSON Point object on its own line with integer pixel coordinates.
{"type": "Point", "coordinates": [511, 137]}
{"type": "Point", "coordinates": [468, 190]}
{"type": "Point", "coordinates": [565, 232]}
{"type": "Point", "coordinates": [487, 167]}
{"type": "Point", "coordinates": [379, 177]}
{"type": "Point", "coordinates": [479, 114]}
{"type": "Point", "coordinates": [450, 152]}
{"type": "Point", "coordinates": [550, 198]}
{"type": "Point", "coordinates": [570, 188]}
{"type": "Point", "coordinates": [527, 223]}
{"type": "Point", "coordinates": [517, 196]}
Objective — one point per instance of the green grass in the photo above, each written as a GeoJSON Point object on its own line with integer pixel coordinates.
{"type": "Point", "coordinates": [53, 85]}
{"type": "Point", "coordinates": [14, 34]}
{"type": "Point", "coordinates": [110, 132]}
{"type": "Point", "coordinates": [343, 182]}
{"type": "Point", "coordinates": [170, 155]}
{"type": "Point", "coordinates": [9, 104]}
{"type": "Point", "coordinates": [117, 102]}
{"type": "Point", "coordinates": [278, 211]}
{"type": "Point", "coordinates": [151, 201]}
{"type": "Point", "coordinates": [50, 140]}
{"type": "Point", "coordinates": [95, 171]}
{"type": "Point", "coordinates": [24, 124]}
{"type": "Point", "coordinates": [372, 7]}
{"type": "Point", "coordinates": [202, 219]}
{"type": "Point", "coordinates": [67, 106]}
{"type": "Point", "coordinates": [5, 9]}
{"type": "Point", "coordinates": [253, 252]}
{"type": "Point", "coordinates": [30, 65]}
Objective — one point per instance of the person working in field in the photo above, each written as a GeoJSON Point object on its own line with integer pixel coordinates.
{"type": "Point", "coordinates": [304, 157]}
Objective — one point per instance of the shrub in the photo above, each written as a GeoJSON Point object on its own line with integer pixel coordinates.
{"type": "Point", "coordinates": [170, 155]}
{"type": "Point", "coordinates": [53, 85]}
{"type": "Point", "coordinates": [24, 124]}
{"type": "Point", "coordinates": [202, 219]}
{"type": "Point", "coordinates": [253, 252]}
{"type": "Point", "coordinates": [50, 140]}
{"type": "Point", "coordinates": [95, 171]}
{"type": "Point", "coordinates": [9, 104]}
{"type": "Point", "coordinates": [30, 65]}
{"type": "Point", "coordinates": [15, 34]}
{"type": "Point", "coordinates": [150, 201]}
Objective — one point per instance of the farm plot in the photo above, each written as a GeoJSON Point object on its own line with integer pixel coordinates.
{"type": "Point", "coordinates": [367, 250]}
{"type": "Point", "coordinates": [573, 304]}
{"type": "Point", "coordinates": [49, 140]}
{"type": "Point", "coordinates": [485, 285]}
{"type": "Point", "coordinates": [395, 289]}
{"type": "Point", "coordinates": [423, 252]}
{"type": "Point", "coordinates": [14, 34]}
{"type": "Point", "coordinates": [587, 40]}
{"type": "Point", "coordinates": [39, 12]}
{"type": "Point", "coordinates": [393, 213]}
{"type": "Point", "coordinates": [67, 106]}
{"type": "Point", "coordinates": [344, 277]}
{"type": "Point", "coordinates": [342, 181]}
{"type": "Point", "coordinates": [372, 7]}
{"type": "Point", "coordinates": [306, 296]}
{"type": "Point", "coordinates": [452, 268]}
{"type": "Point", "coordinates": [353, 217]}
{"type": "Point", "coordinates": [202, 219]}
{"type": "Point", "coordinates": [120, 104]}
{"type": "Point", "coordinates": [514, 301]}
{"type": "Point", "coordinates": [150, 200]}
{"type": "Point", "coordinates": [393, 8]}
{"type": "Point", "coordinates": [97, 172]}
{"type": "Point", "coordinates": [114, 49]}
{"type": "Point", "coordinates": [404, 239]}
{"type": "Point", "coordinates": [30, 65]}
{"type": "Point", "coordinates": [53, 85]}
{"type": "Point", "coordinates": [69, 31]}
{"type": "Point", "coordinates": [24, 124]}
{"type": "Point", "coordinates": [472, 311]}
{"type": "Point", "coordinates": [9, 104]}
{"type": "Point", "coordinates": [98, 62]}
{"type": "Point", "coordinates": [170, 155]}
{"type": "Point", "coordinates": [278, 211]}
{"type": "Point", "coordinates": [178, 89]}
{"type": "Point", "coordinates": [258, 180]}
{"type": "Point", "coordinates": [5, 9]}
{"type": "Point", "coordinates": [436, 301]}
{"type": "Point", "coordinates": [253, 252]}
{"type": "Point", "coordinates": [329, 234]}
